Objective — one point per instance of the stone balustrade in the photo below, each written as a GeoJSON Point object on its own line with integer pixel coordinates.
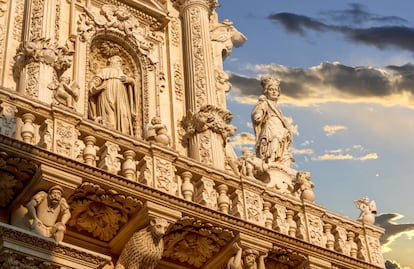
{"type": "Point", "coordinates": [162, 168]}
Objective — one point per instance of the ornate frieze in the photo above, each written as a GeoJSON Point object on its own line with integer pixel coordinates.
{"type": "Point", "coordinates": [194, 242]}
{"type": "Point", "coordinates": [100, 212]}
{"type": "Point", "coordinates": [178, 82]}
{"type": "Point", "coordinates": [254, 207]}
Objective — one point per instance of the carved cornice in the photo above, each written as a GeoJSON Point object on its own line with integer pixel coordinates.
{"type": "Point", "coordinates": [14, 240]}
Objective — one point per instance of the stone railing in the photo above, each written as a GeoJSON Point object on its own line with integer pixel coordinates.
{"type": "Point", "coordinates": [69, 134]}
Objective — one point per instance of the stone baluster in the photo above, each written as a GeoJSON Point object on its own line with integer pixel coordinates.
{"type": "Point", "coordinates": [268, 216]}
{"type": "Point", "coordinates": [187, 187]}
{"type": "Point", "coordinates": [223, 200]}
{"type": "Point", "coordinates": [280, 222]}
{"type": "Point", "coordinates": [353, 248]}
{"type": "Point", "coordinates": [340, 239]}
{"type": "Point", "coordinates": [89, 153]}
{"type": "Point", "coordinates": [28, 129]}
{"type": "Point", "coordinates": [129, 166]}
{"type": "Point", "coordinates": [292, 224]}
{"type": "Point", "coordinates": [205, 193]}
{"type": "Point", "coordinates": [330, 239]}
{"type": "Point", "coordinates": [237, 209]}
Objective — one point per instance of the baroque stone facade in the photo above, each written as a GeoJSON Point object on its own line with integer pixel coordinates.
{"type": "Point", "coordinates": [114, 148]}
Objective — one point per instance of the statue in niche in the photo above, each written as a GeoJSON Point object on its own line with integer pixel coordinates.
{"type": "Point", "coordinates": [273, 136]}
{"type": "Point", "coordinates": [368, 210]}
{"type": "Point", "coordinates": [111, 97]}
{"type": "Point", "coordinates": [246, 259]}
{"type": "Point", "coordinates": [145, 248]}
{"type": "Point", "coordinates": [157, 132]}
{"type": "Point", "coordinates": [48, 213]}
{"type": "Point", "coordinates": [65, 92]}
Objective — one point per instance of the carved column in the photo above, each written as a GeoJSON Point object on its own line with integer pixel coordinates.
{"type": "Point", "coordinates": [35, 59]}
{"type": "Point", "coordinates": [205, 144]}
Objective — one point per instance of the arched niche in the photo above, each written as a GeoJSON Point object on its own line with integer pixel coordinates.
{"type": "Point", "coordinates": [104, 46]}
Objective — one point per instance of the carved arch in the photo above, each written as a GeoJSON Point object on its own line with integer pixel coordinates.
{"type": "Point", "coordinates": [101, 47]}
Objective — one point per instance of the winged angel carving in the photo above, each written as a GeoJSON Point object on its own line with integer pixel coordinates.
{"type": "Point", "coordinates": [368, 210]}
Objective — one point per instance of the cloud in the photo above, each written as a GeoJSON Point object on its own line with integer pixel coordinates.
{"type": "Point", "coordinates": [392, 265]}
{"type": "Point", "coordinates": [243, 139]}
{"type": "Point", "coordinates": [339, 157]}
{"type": "Point", "coordinates": [332, 82]}
{"type": "Point", "coordinates": [381, 37]}
{"type": "Point", "coordinates": [296, 151]}
{"type": "Point", "coordinates": [333, 129]}
{"type": "Point", "coordinates": [393, 230]}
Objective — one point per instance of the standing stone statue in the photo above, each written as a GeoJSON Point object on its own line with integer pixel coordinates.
{"type": "Point", "coordinates": [48, 213]}
{"type": "Point", "coordinates": [273, 136]}
{"type": "Point", "coordinates": [247, 259]}
{"type": "Point", "coordinates": [145, 248]}
{"type": "Point", "coordinates": [111, 99]}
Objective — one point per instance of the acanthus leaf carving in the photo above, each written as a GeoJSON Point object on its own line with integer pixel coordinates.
{"type": "Point", "coordinates": [100, 212]}
{"type": "Point", "coordinates": [193, 242]}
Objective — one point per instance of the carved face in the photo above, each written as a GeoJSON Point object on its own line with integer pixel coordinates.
{"type": "Point", "coordinates": [273, 91]}
{"type": "Point", "coordinates": [159, 227]}
{"type": "Point", "coordinates": [55, 196]}
{"type": "Point", "coordinates": [249, 259]}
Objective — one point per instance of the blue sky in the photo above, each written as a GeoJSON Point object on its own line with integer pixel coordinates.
{"type": "Point", "coordinates": [347, 72]}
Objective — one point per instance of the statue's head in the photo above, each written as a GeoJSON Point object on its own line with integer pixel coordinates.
{"type": "Point", "coordinates": [271, 87]}
{"type": "Point", "coordinates": [158, 227]}
{"type": "Point", "coordinates": [115, 61]}
{"type": "Point", "coordinates": [55, 194]}
{"type": "Point", "coordinates": [250, 256]}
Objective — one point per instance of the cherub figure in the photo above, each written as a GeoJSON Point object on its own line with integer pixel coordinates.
{"type": "Point", "coordinates": [368, 210]}
{"type": "Point", "coordinates": [65, 91]}
{"type": "Point", "coordinates": [157, 132]}
{"type": "Point", "coordinates": [246, 165]}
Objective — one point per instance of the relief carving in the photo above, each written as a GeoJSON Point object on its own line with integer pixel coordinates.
{"type": "Point", "coordinates": [48, 213]}
{"type": "Point", "coordinates": [254, 207]}
{"type": "Point", "coordinates": [11, 259]}
{"type": "Point", "coordinates": [8, 119]}
{"type": "Point", "coordinates": [118, 19]}
{"type": "Point", "coordinates": [194, 242]}
{"type": "Point", "coordinates": [178, 82]}
{"type": "Point", "coordinates": [165, 176]}
{"type": "Point", "coordinates": [157, 132]}
{"type": "Point", "coordinates": [315, 227]}
{"type": "Point", "coordinates": [100, 212]}
{"type": "Point", "coordinates": [205, 193]}
{"type": "Point", "coordinates": [145, 248]}
{"type": "Point", "coordinates": [110, 158]}
{"type": "Point", "coordinates": [18, 20]}
{"type": "Point", "coordinates": [65, 92]}
{"type": "Point", "coordinates": [246, 259]}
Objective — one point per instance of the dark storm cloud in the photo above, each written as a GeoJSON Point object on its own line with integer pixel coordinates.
{"type": "Point", "coordinates": [392, 265]}
{"type": "Point", "coordinates": [358, 14]}
{"type": "Point", "coordinates": [382, 37]}
{"type": "Point", "coordinates": [392, 229]}
{"type": "Point", "coordinates": [332, 80]}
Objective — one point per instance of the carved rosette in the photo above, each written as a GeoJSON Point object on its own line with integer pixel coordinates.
{"type": "Point", "coordinates": [15, 173]}
{"type": "Point", "coordinates": [100, 212]}
{"type": "Point", "coordinates": [194, 243]}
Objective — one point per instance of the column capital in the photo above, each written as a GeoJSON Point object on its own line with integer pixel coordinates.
{"type": "Point", "coordinates": [183, 4]}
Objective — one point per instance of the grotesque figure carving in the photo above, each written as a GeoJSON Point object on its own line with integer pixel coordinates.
{"type": "Point", "coordinates": [144, 249]}
{"type": "Point", "coordinates": [65, 91]}
{"type": "Point", "coordinates": [247, 259]}
{"type": "Point", "coordinates": [112, 97]}
{"type": "Point", "coordinates": [48, 213]}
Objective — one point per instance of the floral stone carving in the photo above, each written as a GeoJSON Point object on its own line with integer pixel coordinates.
{"type": "Point", "coordinates": [100, 212]}
{"type": "Point", "coordinates": [145, 248]}
{"type": "Point", "coordinates": [193, 242]}
{"type": "Point", "coordinates": [15, 173]}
